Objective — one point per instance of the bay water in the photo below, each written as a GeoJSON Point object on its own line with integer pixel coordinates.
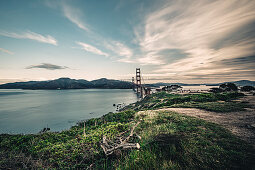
{"type": "Point", "coordinates": [29, 111]}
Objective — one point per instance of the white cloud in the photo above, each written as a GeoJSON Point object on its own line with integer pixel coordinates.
{"type": "Point", "coordinates": [91, 49]}
{"type": "Point", "coordinates": [32, 36]}
{"type": "Point", "coordinates": [119, 48]}
{"type": "Point", "coordinates": [123, 52]}
{"type": "Point", "coordinates": [150, 58]}
{"type": "Point", "coordinates": [127, 55]}
{"type": "Point", "coordinates": [74, 15]}
{"type": "Point", "coordinates": [6, 51]}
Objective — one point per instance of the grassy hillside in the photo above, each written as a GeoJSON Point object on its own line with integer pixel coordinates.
{"type": "Point", "coordinates": [168, 141]}
{"type": "Point", "coordinates": [218, 102]}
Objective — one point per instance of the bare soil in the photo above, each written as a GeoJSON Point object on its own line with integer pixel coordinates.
{"type": "Point", "coordinates": [241, 123]}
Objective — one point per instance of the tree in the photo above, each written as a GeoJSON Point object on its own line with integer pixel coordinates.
{"type": "Point", "coordinates": [228, 87]}
{"type": "Point", "coordinates": [247, 88]}
{"type": "Point", "coordinates": [215, 90]}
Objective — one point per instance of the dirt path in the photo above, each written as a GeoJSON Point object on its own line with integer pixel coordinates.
{"type": "Point", "coordinates": [240, 123]}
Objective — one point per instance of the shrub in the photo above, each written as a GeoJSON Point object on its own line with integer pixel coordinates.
{"type": "Point", "coordinates": [215, 90]}
{"type": "Point", "coordinates": [228, 87]}
{"type": "Point", "coordinates": [247, 88]}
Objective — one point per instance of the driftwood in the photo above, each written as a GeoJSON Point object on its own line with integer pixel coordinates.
{"type": "Point", "coordinates": [121, 142]}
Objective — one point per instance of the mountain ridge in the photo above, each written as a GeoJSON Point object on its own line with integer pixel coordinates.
{"type": "Point", "coordinates": [67, 83]}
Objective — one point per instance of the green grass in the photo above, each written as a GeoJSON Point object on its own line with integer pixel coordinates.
{"type": "Point", "coordinates": [215, 106]}
{"type": "Point", "coordinates": [174, 141]}
{"type": "Point", "coordinates": [217, 102]}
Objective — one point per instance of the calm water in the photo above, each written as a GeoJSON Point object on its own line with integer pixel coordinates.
{"type": "Point", "coordinates": [29, 111]}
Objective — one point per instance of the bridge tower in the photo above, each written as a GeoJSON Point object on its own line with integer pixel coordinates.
{"type": "Point", "coordinates": [139, 88]}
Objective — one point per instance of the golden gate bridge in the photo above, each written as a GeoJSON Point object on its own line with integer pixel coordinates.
{"type": "Point", "coordinates": [138, 86]}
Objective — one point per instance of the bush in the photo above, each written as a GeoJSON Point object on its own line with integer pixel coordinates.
{"type": "Point", "coordinates": [247, 88]}
{"type": "Point", "coordinates": [228, 87]}
{"type": "Point", "coordinates": [215, 90]}
{"type": "Point", "coordinates": [124, 116]}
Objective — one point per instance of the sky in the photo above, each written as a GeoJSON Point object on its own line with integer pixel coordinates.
{"type": "Point", "coordinates": [188, 41]}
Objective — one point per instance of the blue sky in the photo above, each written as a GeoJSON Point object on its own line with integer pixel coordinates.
{"type": "Point", "coordinates": [197, 41]}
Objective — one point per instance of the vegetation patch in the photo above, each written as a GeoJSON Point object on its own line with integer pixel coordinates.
{"type": "Point", "coordinates": [174, 141]}
{"type": "Point", "coordinates": [217, 102]}
{"type": "Point", "coordinates": [215, 106]}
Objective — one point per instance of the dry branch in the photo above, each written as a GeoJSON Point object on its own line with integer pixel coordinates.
{"type": "Point", "coordinates": [122, 142]}
{"type": "Point", "coordinates": [131, 132]}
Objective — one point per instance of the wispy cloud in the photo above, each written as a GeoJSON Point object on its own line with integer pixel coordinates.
{"type": "Point", "coordinates": [74, 15]}
{"type": "Point", "coordinates": [126, 54]}
{"type": "Point", "coordinates": [30, 35]}
{"type": "Point", "coordinates": [123, 52]}
{"type": "Point", "coordinates": [47, 66]}
{"type": "Point", "coordinates": [6, 51]}
{"type": "Point", "coordinates": [91, 49]}
{"type": "Point", "coordinates": [206, 31]}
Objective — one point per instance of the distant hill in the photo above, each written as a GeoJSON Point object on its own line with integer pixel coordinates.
{"type": "Point", "coordinates": [111, 84]}
{"type": "Point", "coordinates": [67, 83]}
{"type": "Point", "coordinates": [238, 83]}
{"type": "Point", "coordinates": [244, 83]}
